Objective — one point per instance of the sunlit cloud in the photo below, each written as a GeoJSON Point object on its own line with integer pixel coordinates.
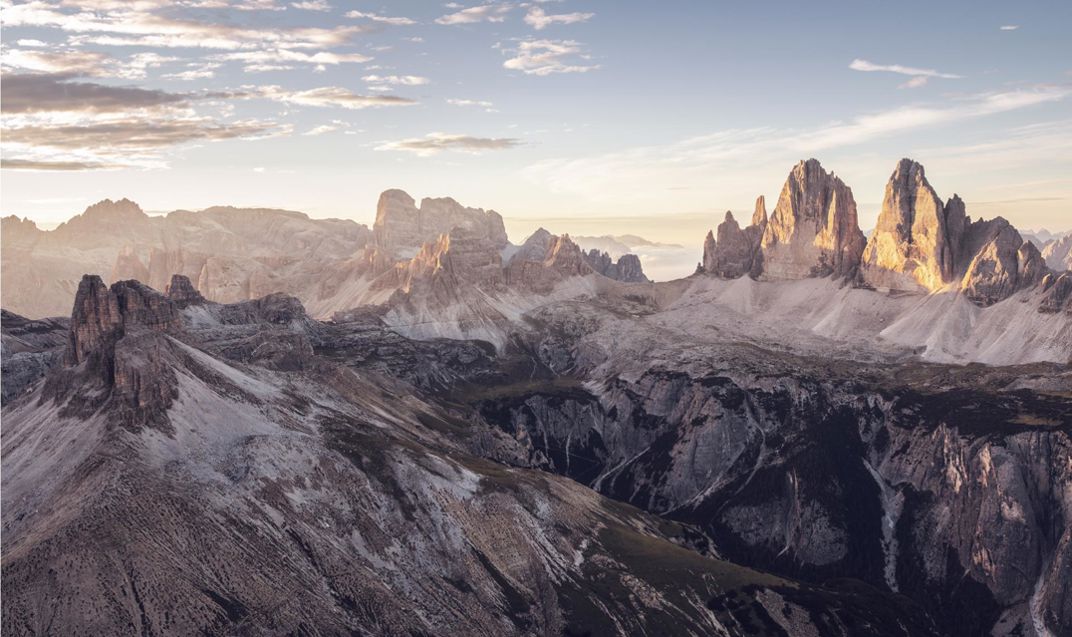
{"type": "Point", "coordinates": [483, 104]}
{"type": "Point", "coordinates": [434, 143]}
{"type": "Point", "coordinates": [919, 76]}
{"type": "Point", "coordinates": [327, 96]}
{"type": "Point", "coordinates": [539, 19]}
{"type": "Point", "coordinates": [1010, 27]}
{"type": "Point", "coordinates": [481, 13]}
{"type": "Point", "coordinates": [396, 80]}
{"type": "Point", "coordinates": [312, 5]}
{"type": "Point", "coordinates": [547, 57]}
{"type": "Point", "coordinates": [640, 172]}
{"type": "Point", "coordinates": [396, 21]}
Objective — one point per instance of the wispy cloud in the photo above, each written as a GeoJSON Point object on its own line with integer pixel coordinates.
{"type": "Point", "coordinates": [539, 19]}
{"type": "Point", "coordinates": [546, 57]}
{"type": "Point", "coordinates": [480, 13]}
{"type": "Point", "coordinates": [59, 165]}
{"type": "Point", "coordinates": [135, 24]}
{"type": "Point", "coordinates": [282, 59]}
{"type": "Point", "coordinates": [396, 80]}
{"type": "Point", "coordinates": [434, 143]}
{"type": "Point", "coordinates": [919, 76]}
{"type": "Point", "coordinates": [639, 172]}
{"type": "Point", "coordinates": [312, 5]}
{"type": "Point", "coordinates": [396, 21]}
{"type": "Point", "coordinates": [484, 104]}
{"type": "Point", "coordinates": [327, 96]}
{"type": "Point", "coordinates": [37, 93]}
{"type": "Point", "coordinates": [1009, 27]}
{"type": "Point", "coordinates": [335, 125]}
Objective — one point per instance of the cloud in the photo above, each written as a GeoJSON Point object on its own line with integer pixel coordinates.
{"type": "Point", "coordinates": [919, 76]}
{"type": "Point", "coordinates": [327, 96]}
{"type": "Point", "coordinates": [334, 125]}
{"type": "Point", "coordinates": [399, 21]}
{"type": "Point", "coordinates": [642, 172]}
{"type": "Point", "coordinates": [484, 104]}
{"type": "Point", "coordinates": [481, 13]}
{"type": "Point", "coordinates": [282, 59]}
{"type": "Point", "coordinates": [30, 164]}
{"type": "Point", "coordinates": [84, 63]}
{"type": "Point", "coordinates": [545, 57]}
{"type": "Point", "coordinates": [539, 19]}
{"type": "Point", "coordinates": [136, 24]}
{"type": "Point", "coordinates": [194, 71]}
{"type": "Point", "coordinates": [1010, 27]}
{"type": "Point", "coordinates": [30, 93]}
{"type": "Point", "coordinates": [312, 5]}
{"type": "Point", "coordinates": [434, 143]}
{"type": "Point", "coordinates": [396, 80]}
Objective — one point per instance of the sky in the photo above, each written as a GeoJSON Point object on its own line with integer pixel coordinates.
{"type": "Point", "coordinates": [593, 117]}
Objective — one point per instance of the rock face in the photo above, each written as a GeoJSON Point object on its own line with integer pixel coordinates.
{"type": "Point", "coordinates": [401, 225]}
{"type": "Point", "coordinates": [544, 260]}
{"type": "Point", "coordinates": [340, 508]}
{"type": "Point", "coordinates": [627, 268]}
{"type": "Point", "coordinates": [921, 245]}
{"type": "Point", "coordinates": [1058, 253]}
{"type": "Point", "coordinates": [736, 252]}
{"type": "Point", "coordinates": [116, 343]}
{"type": "Point", "coordinates": [182, 293]}
{"type": "Point", "coordinates": [915, 239]}
{"type": "Point", "coordinates": [814, 229]}
{"type": "Point", "coordinates": [1002, 266]}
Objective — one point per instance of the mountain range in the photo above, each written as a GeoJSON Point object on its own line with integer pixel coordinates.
{"type": "Point", "coordinates": [270, 424]}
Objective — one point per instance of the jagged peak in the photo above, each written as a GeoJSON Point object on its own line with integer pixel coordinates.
{"type": "Point", "coordinates": [759, 216]}
{"type": "Point", "coordinates": [109, 207]}
{"type": "Point", "coordinates": [182, 292]}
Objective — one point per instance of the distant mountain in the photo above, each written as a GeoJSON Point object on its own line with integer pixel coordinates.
{"type": "Point", "coordinates": [234, 254]}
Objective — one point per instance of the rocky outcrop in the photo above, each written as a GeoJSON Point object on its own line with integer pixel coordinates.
{"type": "Point", "coordinates": [1001, 265]}
{"type": "Point", "coordinates": [920, 244]}
{"type": "Point", "coordinates": [1056, 292]}
{"type": "Point", "coordinates": [814, 229]}
{"type": "Point", "coordinates": [544, 260]}
{"type": "Point", "coordinates": [1058, 253]}
{"type": "Point", "coordinates": [115, 341]}
{"type": "Point", "coordinates": [401, 225]}
{"type": "Point", "coordinates": [736, 252]}
{"type": "Point", "coordinates": [915, 239]}
{"type": "Point", "coordinates": [182, 293]}
{"type": "Point", "coordinates": [462, 258]}
{"type": "Point", "coordinates": [627, 268]}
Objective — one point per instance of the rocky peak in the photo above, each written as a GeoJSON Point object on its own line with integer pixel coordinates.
{"type": "Point", "coordinates": [103, 315]}
{"type": "Point", "coordinates": [759, 217]}
{"type": "Point", "coordinates": [912, 245]}
{"type": "Point", "coordinates": [1058, 253]}
{"type": "Point", "coordinates": [182, 292]}
{"type": "Point", "coordinates": [400, 224]}
{"type": "Point", "coordinates": [627, 268]}
{"type": "Point", "coordinates": [814, 229]}
{"type": "Point", "coordinates": [731, 255]}
{"type": "Point", "coordinates": [545, 259]}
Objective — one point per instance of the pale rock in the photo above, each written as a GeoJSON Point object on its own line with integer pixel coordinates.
{"type": "Point", "coordinates": [814, 229]}
{"type": "Point", "coordinates": [911, 247]}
